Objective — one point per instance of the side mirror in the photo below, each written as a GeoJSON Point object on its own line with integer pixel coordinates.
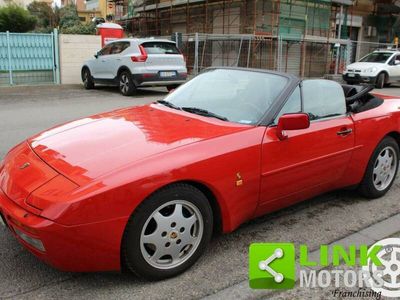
{"type": "Point", "coordinates": [397, 62]}
{"type": "Point", "coordinates": [96, 55]}
{"type": "Point", "coordinates": [291, 122]}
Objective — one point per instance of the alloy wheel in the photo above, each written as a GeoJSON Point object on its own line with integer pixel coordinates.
{"type": "Point", "coordinates": [124, 83]}
{"type": "Point", "coordinates": [85, 77]}
{"type": "Point", "coordinates": [171, 234]}
{"type": "Point", "coordinates": [385, 168]}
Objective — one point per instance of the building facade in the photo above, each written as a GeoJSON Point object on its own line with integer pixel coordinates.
{"type": "Point", "coordinates": [305, 37]}
{"type": "Point", "coordinates": [98, 8]}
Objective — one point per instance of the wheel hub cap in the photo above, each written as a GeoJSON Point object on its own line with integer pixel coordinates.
{"type": "Point", "coordinates": [385, 168]}
{"type": "Point", "coordinates": [171, 234]}
{"type": "Point", "coordinates": [124, 83]}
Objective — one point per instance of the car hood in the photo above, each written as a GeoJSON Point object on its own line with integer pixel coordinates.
{"type": "Point", "coordinates": [88, 148]}
{"type": "Point", "coordinates": [362, 65]}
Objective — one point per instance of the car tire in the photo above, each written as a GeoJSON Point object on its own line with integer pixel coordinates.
{"type": "Point", "coordinates": [167, 233]}
{"type": "Point", "coordinates": [172, 87]}
{"type": "Point", "coordinates": [381, 170]}
{"type": "Point", "coordinates": [380, 81]}
{"type": "Point", "coordinates": [125, 83]}
{"type": "Point", "coordinates": [87, 79]}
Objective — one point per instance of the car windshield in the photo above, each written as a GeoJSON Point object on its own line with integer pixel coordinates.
{"type": "Point", "coordinates": [377, 57]}
{"type": "Point", "coordinates": [234, 95]}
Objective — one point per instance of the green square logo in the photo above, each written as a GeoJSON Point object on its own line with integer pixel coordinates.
{"type": "Point", "coordinates": [272, 266]}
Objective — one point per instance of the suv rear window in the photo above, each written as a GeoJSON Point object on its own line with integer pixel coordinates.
{"type": "Point", "coordinates": [160, 48]}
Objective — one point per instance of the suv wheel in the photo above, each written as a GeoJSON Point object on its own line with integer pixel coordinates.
{"type": "Point", "coordinates": [380, 81]}
{"type": "Point", "coordinates": [87, 79]}
{"type": "Point", "coordinates": [126, 84]}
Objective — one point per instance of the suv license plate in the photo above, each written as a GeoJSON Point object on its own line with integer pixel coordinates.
{"type": "Point", "coordinates": [351, 75]}
{"type": "Point", "coordinates": [168, 74]}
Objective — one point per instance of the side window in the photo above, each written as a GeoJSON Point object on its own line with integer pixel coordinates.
{"type": "Point", "coordinates": [106, 50]}
{"type": "Point", "coordinates": [397, 57]}
{"type": "Point", "coordinates": [292, 105]}
{"type": "Point", "coordinates": [117, 48]}
{"type": "Point", "coordinates": [125, 45]}
{"type": "Point", "coordinates": [323, 99]}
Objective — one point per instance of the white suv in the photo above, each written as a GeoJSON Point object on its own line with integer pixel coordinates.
{"type": "Point", "coordinates": [381, 67]}
{"type": "Point", "coordinates": [132, 63]}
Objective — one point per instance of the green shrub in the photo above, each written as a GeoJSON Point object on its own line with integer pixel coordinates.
{"type": "Point", "coordinates": [69, 16]}
{"type": "Point", "coordinates": [14, 18]}
{"type": "Point", "coordinates": [44, 14]}
{"type": "Point", "coordinates": [80, 29]}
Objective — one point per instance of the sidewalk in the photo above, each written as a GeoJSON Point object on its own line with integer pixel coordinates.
{"type": "Point", "coordinates": [389, 227]}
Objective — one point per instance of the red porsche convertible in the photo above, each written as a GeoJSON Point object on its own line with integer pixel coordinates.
{"type": "Point", "coordinates": [143, 188]}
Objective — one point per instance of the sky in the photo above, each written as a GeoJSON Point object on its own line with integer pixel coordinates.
{"type": "Point", "coordinates": [57, 3]}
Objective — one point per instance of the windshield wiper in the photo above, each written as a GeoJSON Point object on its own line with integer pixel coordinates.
{"type": "Point", "coordinates": [203, 112]}
{"type": "Point", "coordinates": [168, 104]}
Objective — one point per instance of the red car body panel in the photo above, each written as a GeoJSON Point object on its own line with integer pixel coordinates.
{"type": "Point", "coordinates": [303, 162]}
{"type": "Point", "coordinates": [88, 176]}
{"type": "Point", "coordinates": [120, 138]}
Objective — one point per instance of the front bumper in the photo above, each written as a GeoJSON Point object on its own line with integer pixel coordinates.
{"type": "Point", "coordinates": [77, 248]}
{"type": "Point", "coordinates": [358, 78]}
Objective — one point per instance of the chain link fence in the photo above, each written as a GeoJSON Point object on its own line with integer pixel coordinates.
{"type": "Point", "coordinates": [302, 57]}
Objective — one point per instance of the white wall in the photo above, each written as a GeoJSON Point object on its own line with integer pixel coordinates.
{"type": "Point", "coordinates": [74, 50]}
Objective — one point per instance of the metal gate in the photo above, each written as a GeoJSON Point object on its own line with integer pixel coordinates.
{"type": "Point", "coordinates": [29, 58]}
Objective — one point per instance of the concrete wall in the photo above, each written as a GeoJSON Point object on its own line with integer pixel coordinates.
{"type": "Point", "coordinates": [74, 50]}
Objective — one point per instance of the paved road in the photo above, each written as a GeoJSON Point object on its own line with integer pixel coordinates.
{"type": "Point", "coordinates": [393, 90]}
{"type": "Point", "coordinates": [27, 110]}
{"type": "Point", "coordinates": [24, 111]}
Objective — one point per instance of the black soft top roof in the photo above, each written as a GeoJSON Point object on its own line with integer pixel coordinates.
{"type": "Point", "coordinates": [355, 92]}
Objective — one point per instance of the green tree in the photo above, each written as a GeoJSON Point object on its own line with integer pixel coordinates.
{"type": "Point", "coordinates": [56, 11]}
{"type": "Point", "coordinates": [44, 14]}
{"type": "Point", "coordinates": [70, 23]}
{"type": "Point", "coordinates": [14, 18]}
{"type": "Point", "coordinates": [68, 16]}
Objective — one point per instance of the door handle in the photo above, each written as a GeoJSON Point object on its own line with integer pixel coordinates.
{"type": "Point", "coordinates": [344, 131]}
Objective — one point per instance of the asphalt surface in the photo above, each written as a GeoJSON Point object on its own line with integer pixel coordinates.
{"type": "Point", "coordinates": [25, 111]}
{"type": "Point", "coordinates": [393, 90]}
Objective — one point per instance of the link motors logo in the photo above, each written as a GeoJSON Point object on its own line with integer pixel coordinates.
{"type": "Point", "coordinates": [385, 279]}
{"type": "Point", "coordinates": [273, 266]}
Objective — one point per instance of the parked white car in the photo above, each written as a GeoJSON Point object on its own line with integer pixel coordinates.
{"type": "Point", "coordinates": [133, 63]}
{"type": "Point", "coordinates": [381, 67]}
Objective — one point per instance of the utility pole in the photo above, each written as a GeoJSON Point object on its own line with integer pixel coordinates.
{"type": "Point", "coordinates": [339, 37]}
